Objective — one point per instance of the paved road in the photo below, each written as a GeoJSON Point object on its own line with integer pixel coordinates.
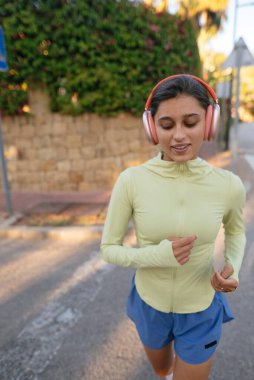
{"type": "Point", "coordinates": [62, 311]}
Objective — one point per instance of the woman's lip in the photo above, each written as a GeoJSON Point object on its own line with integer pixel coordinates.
{"type": "Point", "coordinates": [181, 147]}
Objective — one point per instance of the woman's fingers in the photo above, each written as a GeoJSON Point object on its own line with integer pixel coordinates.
{"type": "Point", "coordinates": [182, 247]}
{"type": "Point", "coordinates": [221, 284]}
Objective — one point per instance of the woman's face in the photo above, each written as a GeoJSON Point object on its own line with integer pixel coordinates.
{"type": "Point", "coordinates": [180, 126]}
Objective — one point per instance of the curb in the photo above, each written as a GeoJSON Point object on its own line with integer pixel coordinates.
{"type": "Point", "coordinates": [7, 230]}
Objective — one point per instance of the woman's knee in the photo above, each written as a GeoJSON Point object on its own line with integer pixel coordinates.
{"type": "Point", "coordinates": [162, 360]}
{"type": "Point", "coordinates": [161, 372]}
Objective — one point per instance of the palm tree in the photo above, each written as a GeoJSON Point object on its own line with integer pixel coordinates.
{"type": "Point", "coordinates": [206, 14]}
{"type": "Point", "coordinates": [160, 6]}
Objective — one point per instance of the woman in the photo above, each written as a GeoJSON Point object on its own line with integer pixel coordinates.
{"type": "Point", "coordinates": [177, 202]}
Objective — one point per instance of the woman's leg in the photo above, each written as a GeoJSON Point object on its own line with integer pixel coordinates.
{"type": "Point", "coordinates": [162, 360]}
{"type": "Point", "coordinates": [185, 371]}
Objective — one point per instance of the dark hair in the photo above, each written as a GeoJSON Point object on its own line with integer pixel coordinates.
{"type": "Point", "coordinates": [173, 87]}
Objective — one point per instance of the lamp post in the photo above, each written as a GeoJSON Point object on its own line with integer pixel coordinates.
{"type": "Point", "coordinates": [236, 76]}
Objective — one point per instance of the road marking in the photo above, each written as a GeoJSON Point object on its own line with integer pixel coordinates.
{"type": "Point", "coordinates": [37, 344]}
{"type": "Point", "coordinates": [84, 272]}
{"type": "Point", "coordinates": [248, 186]}
{"type": "Point", "coordinates": [250, 159]}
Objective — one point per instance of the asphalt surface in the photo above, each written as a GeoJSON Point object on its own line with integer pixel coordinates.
{"type": "Point", "coordinates": [62, 313]}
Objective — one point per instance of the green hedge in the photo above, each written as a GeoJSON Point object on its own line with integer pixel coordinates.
{"type": "Point", "coordinates": [93, 55]}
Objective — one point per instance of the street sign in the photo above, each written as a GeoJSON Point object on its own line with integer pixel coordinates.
{"type": "Point", "coordinates": [240, 56]}
{"type": "Point", "coordinates": [3, 58]}
{"type": "Point", "coordinates": [223, 90]}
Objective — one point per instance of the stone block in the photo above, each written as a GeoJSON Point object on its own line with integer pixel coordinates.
{"type": "Point", "coordinates": [73, 141]}
{"type": "Point", "coordinates": [73, 153]}
{"type": "Point", "coordinates": [93, 123]}
{"type": "Point", "coordinates": [61, 177]}
{"type": "Point", "coordinates": [89, 139]}
{"type": "Point", "coordinates": [83, 186]}
{"type": "Point", "coordinates": [63, 166]}
{"type": "Point", "coordinates": [46, 153]}
{"type": "Point", "coordinates": [61, 153]}
{"type": "Point", "coordinates": [23, 144]}
{"type": "Point", "coordinates": [28, 131]}
{"type": "Point", "coordinates": [30, 153]}
{"type": "Point", "coordinates": [134, 146]}
{"type": "Point", "coordinates": [76, 177]}
{"type": "Point", "coordinates": [88, 152]}
{"type": "Point", "coordinates": [59, 129]}
{"type": "Point", "coordinates": [48, 165]}
{"type": "Point", "coordinates": [12, 166]}
{"type": "Point", "coordinates": [78, 165]}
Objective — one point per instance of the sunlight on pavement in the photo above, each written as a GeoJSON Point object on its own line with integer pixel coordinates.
{"type": "Point", "coordinates": [21, 273]}
{"type": "Point", "coordinates": [122, 343]}
{"type": "Point", "coordinates": [40, 340]}
{"type": "Point", "coordinates": [83, 273]}
{"type": "Point", "coordinates": [221, 160]}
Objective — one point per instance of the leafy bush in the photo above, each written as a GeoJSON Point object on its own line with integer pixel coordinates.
{"type": "Point", "coordinates": [93, 55]}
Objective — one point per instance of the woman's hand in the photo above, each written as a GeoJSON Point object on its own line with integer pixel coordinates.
{"type": "Point", "coordinates": [221, 281]}
{"type": "Point", "coordinates": [182, 247]}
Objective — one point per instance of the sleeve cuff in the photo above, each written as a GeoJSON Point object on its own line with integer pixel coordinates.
{"type": "Point", "coordinates": [167, 254]}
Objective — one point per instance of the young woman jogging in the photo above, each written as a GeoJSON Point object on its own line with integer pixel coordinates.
{"type": "Point", "coordinates": [177, 202]}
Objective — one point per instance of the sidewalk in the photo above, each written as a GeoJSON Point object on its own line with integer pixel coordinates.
{"type": "Point", "coordinates": [58, 206]}
{"type": "Point", "coordinates": [66, 206]}
{"type": "Point", "coordinates": [27, 201]}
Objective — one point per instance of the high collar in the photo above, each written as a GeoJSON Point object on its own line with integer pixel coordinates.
{"type": "Point", "coordinates": [171, 169]}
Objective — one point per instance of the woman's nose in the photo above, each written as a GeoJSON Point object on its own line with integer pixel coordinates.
{"type": "Point", "coordinates": [179, 133]}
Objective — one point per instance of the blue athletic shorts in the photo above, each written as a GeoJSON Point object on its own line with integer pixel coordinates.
{"type": "Point", "coordinates": [195, 335]}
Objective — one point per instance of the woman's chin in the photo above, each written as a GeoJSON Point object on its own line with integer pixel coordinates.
{"type": "Point", "coordinates": [180, 157]}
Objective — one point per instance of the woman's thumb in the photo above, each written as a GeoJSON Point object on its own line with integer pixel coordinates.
{"type": "Point", "coordinates": [227, 270]}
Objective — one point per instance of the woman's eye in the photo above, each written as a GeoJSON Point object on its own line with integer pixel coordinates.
{"type": "Point", "coordinates": [189, 125]}
{"type": "Point", "coordinates": [166, 126]}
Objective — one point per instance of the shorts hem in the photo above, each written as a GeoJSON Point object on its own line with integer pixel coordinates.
{"type": "Point", "coordinates": [156, 348]}
{"type": "Point", "coordinates": [195, 362]}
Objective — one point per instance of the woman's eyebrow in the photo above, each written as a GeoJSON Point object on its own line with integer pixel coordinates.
{"type": "Point", "coordinates": [165, 118]}
{"type": "Point", "coordinates": [191, 114]}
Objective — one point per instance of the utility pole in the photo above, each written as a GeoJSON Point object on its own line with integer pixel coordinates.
{"type": "Point", "coordinates": [6, 190]}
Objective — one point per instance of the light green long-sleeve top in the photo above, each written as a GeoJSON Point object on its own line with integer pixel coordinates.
{"type": "Point", "coordinates": [165, 198]}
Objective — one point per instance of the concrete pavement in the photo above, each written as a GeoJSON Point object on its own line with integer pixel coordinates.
{"type": "Point", "coordinates": [62, 308]}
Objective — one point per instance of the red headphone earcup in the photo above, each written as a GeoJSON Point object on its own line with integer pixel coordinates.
{"type": "Point", "coordinates": [212, 122]}
{"type": "Point", "coordinates": [150, 128]}
{"type": "Point", "coordinates": [215, 122]}
{"type": "Point", "coordinates": [208, 122]}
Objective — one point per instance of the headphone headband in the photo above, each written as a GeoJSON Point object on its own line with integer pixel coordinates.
{"type": "Point", "coordinates": [209, 89]}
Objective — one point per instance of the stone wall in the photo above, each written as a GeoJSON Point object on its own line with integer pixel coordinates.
{"type": "Point", "coordinates": [53, 152]}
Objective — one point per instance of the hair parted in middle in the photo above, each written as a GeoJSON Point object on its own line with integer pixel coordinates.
{"type": "Point", "coordinates": [180, 85]}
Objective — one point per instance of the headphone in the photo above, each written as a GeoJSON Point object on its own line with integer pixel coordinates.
{"type": "Point", "coordinates": [212, 119]}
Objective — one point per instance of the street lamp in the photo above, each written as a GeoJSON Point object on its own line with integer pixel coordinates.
{"type": "Point", "coordinates": [237, 5]}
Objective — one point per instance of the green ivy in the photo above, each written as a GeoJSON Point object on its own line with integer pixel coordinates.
{"type": "Point", "coordinates": [93, 56]}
